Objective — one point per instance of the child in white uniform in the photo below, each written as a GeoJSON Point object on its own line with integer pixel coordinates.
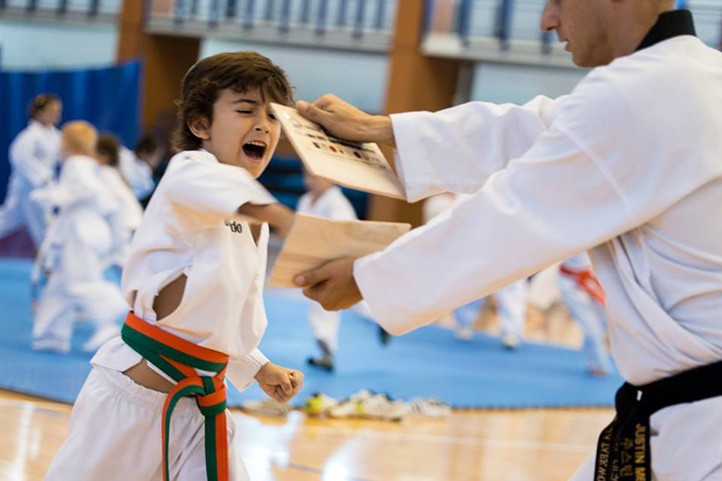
{"type": "Point", "coordinates": [194, 280]}
{"type": "Point", "coordinates": [584, 297]}
{"type": "Point", "coordinates": [324, 199]}
{"type": "Point", "coordinates": [33, 158]}
{"type": "Point", "coordinates": [131, 212]}
{"type": "Point", "coordinates": [83, 234]}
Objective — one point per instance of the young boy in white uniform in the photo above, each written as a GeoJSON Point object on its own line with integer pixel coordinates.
{"type": "Point", "coordinates": [33, 159]}
{"type": "Point", "coordinates": [81, 236]}
{"type": "Point", "coordinates": [324, 199]}
{"type": "Point", "coordinates": [194, 280]}
{"type": "Point", "coordinates": [626, 167]}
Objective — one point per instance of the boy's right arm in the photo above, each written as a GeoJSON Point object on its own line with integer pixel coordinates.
{"type": "Point", "coordinates": [277, 215]}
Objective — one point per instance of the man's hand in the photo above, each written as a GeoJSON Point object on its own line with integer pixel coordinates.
{"type": "Point", "coordinates": [279, 382]}
{"type": "Point", "coordinates": [345, 121]}
{"type": "Point", "coordinates": [332, 285]}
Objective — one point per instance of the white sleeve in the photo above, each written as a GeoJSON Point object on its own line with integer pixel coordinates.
{"type": "Point", "coordinates": [457, 149]}
{"type": "Point", "coordinates": [77, 183]}
{"type": "Point", "coordinates": [602, 169]}
{"type": "Point", "coordinates": [214, 191]}
{"type": "Point", "coordinates": [23, 157]}
{"type": "Point", "coordinates": [241, 371]}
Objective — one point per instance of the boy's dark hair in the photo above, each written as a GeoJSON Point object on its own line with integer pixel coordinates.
{"type": "Point", "coordinates": [109, 146]}
{"type": "Point", "coordinates": [238, 71]}
{"type": "Point", "coordinates": [147, 144]}
{"type": "Point", "coordinates": [40, 102]}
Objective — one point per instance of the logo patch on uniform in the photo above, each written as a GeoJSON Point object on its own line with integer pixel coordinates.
{"type": "Point", "coordinates": [234, 226]}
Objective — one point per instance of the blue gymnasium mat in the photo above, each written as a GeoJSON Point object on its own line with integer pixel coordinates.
{"type": "Point", "coordinates": [427, 362]}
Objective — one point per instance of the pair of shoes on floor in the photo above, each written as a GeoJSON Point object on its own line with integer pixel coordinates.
{"type": "Point", "coordinates": [381, 407]}
{"type": "Point", "coordinates": [350, 407]}
{"type": "Point", "coordinates": [430, 408]}
{"type": "Point", "coordinates": [367, 405]}
{"type": "Point", "coordinates": [324, 362]}
{"type": "Point", "coordinates": [267, 407]}
{"type": "Point", "coordinates": [319, 405]}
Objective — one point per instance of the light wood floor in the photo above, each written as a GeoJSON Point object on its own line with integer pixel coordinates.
{"type": "Point", "coordinates": [525, 445]}
{"type": "Point", "coordinates": [522, 445]}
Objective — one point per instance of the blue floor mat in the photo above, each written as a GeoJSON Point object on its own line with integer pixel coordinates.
{"type": "Point", "coordinates": [426, 362]}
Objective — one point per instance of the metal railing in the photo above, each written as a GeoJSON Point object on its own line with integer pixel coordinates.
{"type": "Point", "coordinates": [343, 24]}
{"type": "Point", "coordinates": [99, 11]}
{"type": "Point", "coordinates": [509, 30]}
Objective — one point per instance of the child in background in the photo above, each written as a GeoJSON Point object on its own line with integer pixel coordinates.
{"type": "Point", "coordinates": [136, 172]}
{"type": "Point", "coordinates": [83, 235]}
{"type": "Point", "coordinates": [324, 199]}
{"type": "Point", "coordinates": [107, 154]}
{"type": "Point", "coordinates": [33, 160]}
{"type": "Point", "coordinates": [584, 298]}
{"type": "Point", "coordinates": [194, 281]}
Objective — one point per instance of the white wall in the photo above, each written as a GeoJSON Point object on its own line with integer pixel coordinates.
{"type": "Point", "coordinates": [27, 46]}
{"type": "Point", "coordinates": [518, 84]}
{"type": "Point", "coordinates": [359, 78]}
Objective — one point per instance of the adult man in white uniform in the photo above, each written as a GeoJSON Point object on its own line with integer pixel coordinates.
{"type": "Point", "coordinates": [627, 165]}
{"type": "Point", "coordinates": [33, 159]}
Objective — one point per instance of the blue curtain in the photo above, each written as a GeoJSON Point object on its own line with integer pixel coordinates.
{"type": "Point", "coordinates": [109, 98]}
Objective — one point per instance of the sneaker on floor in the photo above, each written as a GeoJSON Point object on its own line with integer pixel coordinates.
{"type": "Point", "coordinates": [267, 407]}
{"type": "Point", "coordinates": [431, 408]}
{"type": "Point", "coordinates": [100, 337]}
{"type": "Point", "coordinates": [319, 404]}
{"type": "Point", "coordinates": [350, 407]}
{"type": "Point", "coordinates": [324, 362]}
{"type": "Point", "coordinates": [380, 407]}
{"type": "Point", "coordinates": [510, 341]}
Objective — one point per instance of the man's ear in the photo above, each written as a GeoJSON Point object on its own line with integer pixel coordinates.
{"type": "Point", "coordinates": [200, 128]}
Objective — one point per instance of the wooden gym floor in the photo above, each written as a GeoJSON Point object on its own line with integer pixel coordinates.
{"type": "Point", "coordinates": [483, 445]}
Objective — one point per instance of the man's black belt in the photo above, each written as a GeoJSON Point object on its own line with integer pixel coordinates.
{"type": "Point", "coordinates": [623, 448]}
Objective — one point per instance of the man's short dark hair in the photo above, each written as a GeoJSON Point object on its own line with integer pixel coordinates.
{"type": "Point", "coordinates": [237, 71]}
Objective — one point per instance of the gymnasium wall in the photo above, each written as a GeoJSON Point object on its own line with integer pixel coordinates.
{"type": "Point", "coordinates": [25, 46]}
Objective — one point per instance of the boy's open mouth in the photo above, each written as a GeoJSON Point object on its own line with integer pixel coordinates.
{"type": "Point", "coordinates": [254, 149]}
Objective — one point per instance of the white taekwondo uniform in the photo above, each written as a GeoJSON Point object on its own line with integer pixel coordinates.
{"type": "Point", "coordinates": [131, 212]}
{"type": "Point", "coordinates": [626, 166]}
{"type": "Point", "coordinates": [191, 228]}
{"type": "Point", "coordinates": [84, 233]}
{"type": "Point", "coordinates": [331, 204]}
{"type": "Point", "coordinates": [33, 160]}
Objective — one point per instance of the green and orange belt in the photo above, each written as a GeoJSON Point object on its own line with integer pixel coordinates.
{"type": "Point", "coordinates": [179, 359]}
